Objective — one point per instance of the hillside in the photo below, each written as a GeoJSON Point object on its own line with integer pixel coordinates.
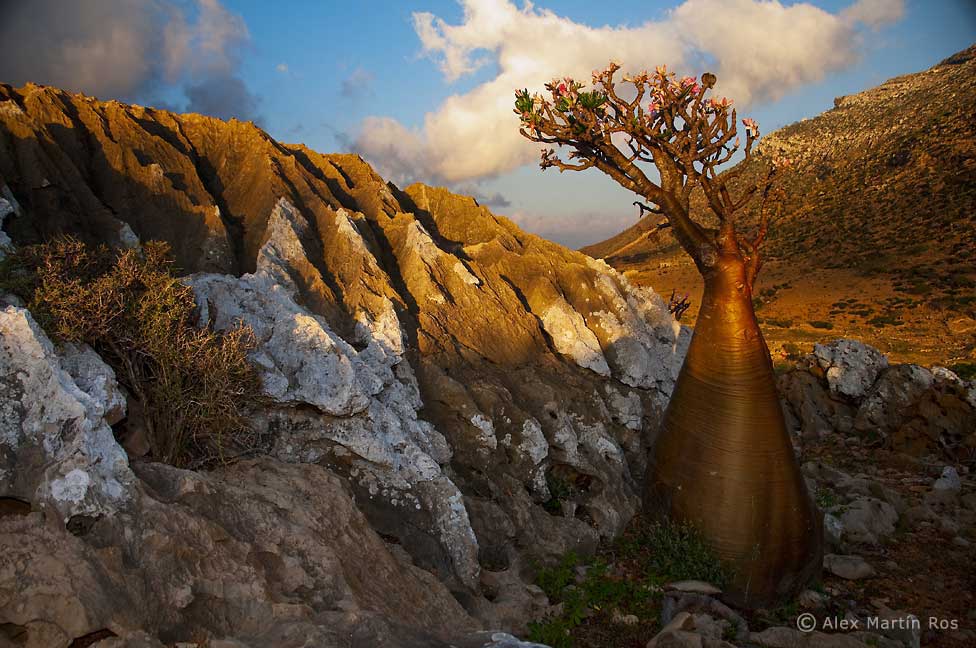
{"type": "Point", "coordinates": [485, 396]}
{"type": "Point", "coordinates": [878, 239]}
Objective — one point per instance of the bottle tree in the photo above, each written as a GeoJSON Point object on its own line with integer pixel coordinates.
{"type": "Point", "coordinates": [723, 460]}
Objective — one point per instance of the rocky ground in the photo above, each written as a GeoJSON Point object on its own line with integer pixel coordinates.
{"type": "Point", "coordinates": [887, 452]}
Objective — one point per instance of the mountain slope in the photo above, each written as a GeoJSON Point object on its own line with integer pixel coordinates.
{"type": "Point", "coordinates": [881, 207]}
{"type": "Point", "coordinates": [457, 372]}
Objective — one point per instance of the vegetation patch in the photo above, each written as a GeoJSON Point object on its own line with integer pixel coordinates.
{"type": "Point", "coordinates": [193, 385]}
{"type": "Point", "coordinates": [614, 597]}
{"type": "Point", "coordinates": [820, 324]}
{"type": "Point", "coordinates": [965, 370]}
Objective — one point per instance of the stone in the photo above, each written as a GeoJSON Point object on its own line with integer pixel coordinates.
{"type": "Point", "coordinates": [851, 367]}
{"type": "Point", "coordinates": [920, 513]}
{"type": "Point", "coordinates": [949, 481]}
{"type": "Point", "coordinates": [56, 447]}
{"type": "Point", "coordinates": [867, 520]}
{"type": "Point", "coordinates": [833, 531]}
{"type": "Point", "coordinates": [811, 600]}
{"type": "Point", "coordinates": [848, 567]}
{"type": "Point", "coordinates": [693, 586]}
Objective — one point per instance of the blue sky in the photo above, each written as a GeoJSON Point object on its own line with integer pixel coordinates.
{"type": "Point", "coordinates": [341, 76]}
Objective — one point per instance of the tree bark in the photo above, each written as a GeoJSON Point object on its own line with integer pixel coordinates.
{"type": "Point", "coordinates": [724, 461]}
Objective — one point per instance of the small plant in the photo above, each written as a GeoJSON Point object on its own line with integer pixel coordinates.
{"type": "Point", "coordinates": [678, 305]}
{"type": "Point", "coordinates": [624, 578]}
{"type": "Point", "coordinates": [826, 499]}
{"type": "Point", "coordinates": [820, 324]}
{"type": "Point", "coordinates": [192, 384]}
{"type": "Point", "coordinates": [780, 322]}
{"type": "Point", "coordinates": [792, 350]}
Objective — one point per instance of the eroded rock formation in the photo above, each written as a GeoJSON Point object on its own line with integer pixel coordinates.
{"type": "Point", "coordinates": [432, 370]}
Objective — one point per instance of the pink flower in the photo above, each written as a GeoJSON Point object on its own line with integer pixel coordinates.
{"type": "Point", "coordinates": [750, 123]}
{"type": "Point", "coordinates": [653, 107]}
{"type": "Point", "coordinates": [561, 90]}
{"type": "Point", "coordinates": [687, 81]}
{"type": "Point", "coordinates": [695, 89]}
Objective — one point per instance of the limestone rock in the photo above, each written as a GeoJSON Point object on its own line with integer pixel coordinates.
{"type": "Point", "coordinates": [851, 367]}
{"type": "Point", "coordinates": [56, 447]}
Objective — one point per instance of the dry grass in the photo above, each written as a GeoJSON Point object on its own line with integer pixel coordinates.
{"type": "Point", "coordinates": [193, 385]}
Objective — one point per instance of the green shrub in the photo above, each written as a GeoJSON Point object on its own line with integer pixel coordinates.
{"type": "Point", "coordinates": [965, 370]}
{"type": "Point", "coordinates": [625, 578]}
{"type": "Point", "coordinates": [820, 324]}
{"type": "Point", "coordinates": [780, 322]}
{"type": "Point", "coordinates": [193, 385]}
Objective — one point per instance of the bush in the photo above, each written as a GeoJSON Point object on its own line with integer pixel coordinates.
{"type": "Point", "coordinates": [820, 324]}
{"type": "Point", "coordinates": [192, 384]}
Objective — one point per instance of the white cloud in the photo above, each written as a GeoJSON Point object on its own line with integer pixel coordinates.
{"type": "Point", "coordinates": [875, 13]}
{"type": "Point", "coordinates": [282, 67]}
{"type": "Point", "coordinates": [761, 49]}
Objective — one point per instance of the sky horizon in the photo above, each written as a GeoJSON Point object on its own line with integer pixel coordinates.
{"type": "Point", "coordinates": [423, 90]}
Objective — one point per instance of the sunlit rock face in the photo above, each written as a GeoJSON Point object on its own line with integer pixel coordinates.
{"type": "Point", "coordinates": [456, 372]}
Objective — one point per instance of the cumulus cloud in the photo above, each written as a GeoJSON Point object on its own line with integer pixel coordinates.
{"type": "Point", "coordinates": [282, 67]}
{"type": "Point", "coordinates": [130, 50]}
{"type": "Point", "coordinates": [760, 49]}
{"type": "Point", "coordinates": [875, 13]}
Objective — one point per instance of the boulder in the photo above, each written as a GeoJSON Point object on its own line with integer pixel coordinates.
{"type": "Point", "coordinates": [848, 567]}
{"type": "Point", "coordinates": [57, 450]}
{"type": "Point", "coordinates": [867, 520]}
{"type": "Point", "coordinates": [850, 366]}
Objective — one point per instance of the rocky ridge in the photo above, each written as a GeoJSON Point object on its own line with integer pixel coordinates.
{"type": "Point", "coordinates": [433, 371]}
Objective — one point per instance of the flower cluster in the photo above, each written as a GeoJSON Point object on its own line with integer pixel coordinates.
{"type": "Point", "coordinates": [715, 105]}
{"type": "Point", "coordinates": [752, 128]}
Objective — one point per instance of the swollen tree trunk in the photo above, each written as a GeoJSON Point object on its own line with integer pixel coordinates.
{"type": "Point", "coordinates": [724, 461]}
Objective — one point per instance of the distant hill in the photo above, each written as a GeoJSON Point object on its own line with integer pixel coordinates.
{"type": "Point", "coordinates": [881, 207]}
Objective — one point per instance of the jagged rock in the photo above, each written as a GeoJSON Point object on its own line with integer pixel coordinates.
{"type": "Point", "coordinates": [850, 366]}
{"type": "Point", "coordinates": [816, 413]}
{"type": "Point", "coordinates": [96, 379]}
{"type": "Point", "coordinates": [56, 447]}
{"type": "Point", "coordinates": [263, 553]}
{"type": "Point", "coordinates": [849, 567]}
{"type": "Point", "coordinates": [8, 207]}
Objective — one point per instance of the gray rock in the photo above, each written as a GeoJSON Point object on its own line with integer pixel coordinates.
{"type": "Point", "coordinates": [693, 586]}
{"type": "Point", "coordinates": [56, 447]}
{"type": "Point", "coordinates": [949, 481]}
{"type": "Point", "coordinates": [851, 367]}
{"type": "Point", "coordinates": [848, 567]}
{"type": "Point", "coordinates": [867, 520]}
